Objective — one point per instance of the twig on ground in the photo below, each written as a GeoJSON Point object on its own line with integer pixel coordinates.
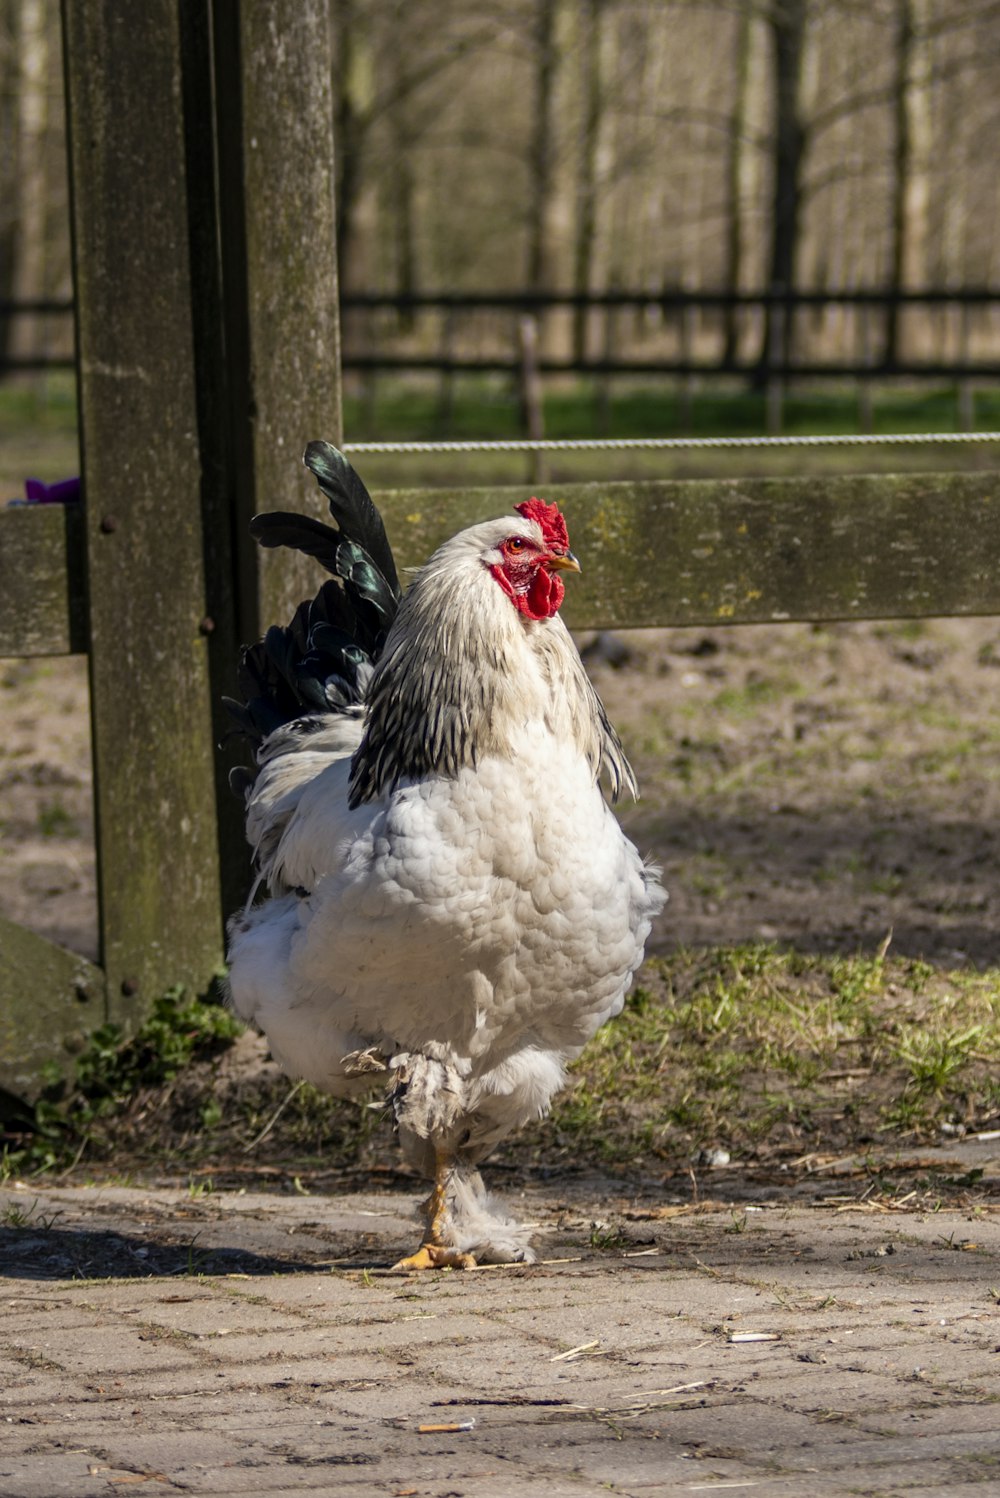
{"type": "Point", "coordinates": [274, 1118]}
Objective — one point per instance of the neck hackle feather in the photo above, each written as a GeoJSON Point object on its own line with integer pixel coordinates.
{"type": "Point", "coordinates": [440, 677]}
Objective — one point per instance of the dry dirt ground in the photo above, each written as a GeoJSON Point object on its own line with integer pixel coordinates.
{"type": "Point", "coordinates": [814, 785]}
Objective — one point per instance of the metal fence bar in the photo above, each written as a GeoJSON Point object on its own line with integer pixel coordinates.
{"type": "Point", "coordinates": [543, 300]}
{"type": "Point", "coordinates": [774, 366]}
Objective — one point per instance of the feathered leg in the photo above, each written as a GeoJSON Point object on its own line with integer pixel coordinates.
{"type": "Point", "coordinates": [465, 1225]}
{"type": "Point", "coordinates": [434, 1253]}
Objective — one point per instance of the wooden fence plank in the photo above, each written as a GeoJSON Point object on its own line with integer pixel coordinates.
{"type": "Point", "coordinates": [281, 371]}
{"type": "Point", "coordinates": [274, 70]}
{"type": "Point", "coordinates": [43, 608]}
{"type": "Point", "coordinates": [49, 1000]}
{"type": "Point", "coordinates": [937, 554]}
{"type": "Point", "coordinates": [699, 552]}
{"type": "Point", "coordinates": [153, 753]}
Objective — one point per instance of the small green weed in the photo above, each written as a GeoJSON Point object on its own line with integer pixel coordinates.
{"type": "Point", "coordinates": [934, 1057]}
{"type": "Point", "coordinates": [606, 1238]}
{"type": "Point", "coordinates": [16, 1216]}
{"type": "Point", "coordinates": [55, 821]}
{"type": "Point", "coordinates": [107, 1075]}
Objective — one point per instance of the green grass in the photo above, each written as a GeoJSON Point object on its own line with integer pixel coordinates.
{"type": "Point", "coordinates": [44, 404]}
{"type": "Point", "coordinates": [55, 821]}
{"type": "Point", "coordinates": [38, 434]}
{"type": "Point", "coordinates": [489, 407]}
{"type": "Point", "coordinates": [745, 701]}
{"type": "Point", "coordinates": [109, 1073]}
{"type": "Point", "coordinates": [767, 1050]}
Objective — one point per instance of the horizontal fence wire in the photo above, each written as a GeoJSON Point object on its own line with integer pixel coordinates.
{"type": "Point", "coordinates": [620, 444]}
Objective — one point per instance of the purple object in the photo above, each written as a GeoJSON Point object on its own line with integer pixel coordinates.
{"type": "Point", "coordinates": [65, 492]}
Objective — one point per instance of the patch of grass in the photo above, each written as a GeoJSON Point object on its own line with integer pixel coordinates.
{"type": "Point", "coordinates": [16, 1216]}
{"type": "Point", "coordinates": [757, 692]}
{"type": "Point", "coordinates": [314, 1128]}
{"type": "Point", "coordinates": [38, 429]}
{"type": "Point", "coordinates": [772, 1051]}
{"type": "Point", "coordinates": [46, 404]}
{"type": "Point", "coordinates": [488, 406]}
{"type": "Point", "coordinates": [604, 1237]}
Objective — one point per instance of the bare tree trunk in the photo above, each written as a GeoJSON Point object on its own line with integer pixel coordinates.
{"type": "Point", "coordinates": [404, 233]}
{"type": "Point", "coordinates": [739, 178]}
{"type": "Point", "coordinates": [586, 183]}
{"type": "Point", "coordinates": [10, 12]}
{"type": "Point", "coordinates": [787, 21]}
{"type": "Point", "coordinates": [28, 278]}
{"type": "Point", "coordinates": [911, 183]}
{"type": "Point", "coordinates": [402, 189]}
{"type": "Point", "coordinates": [352, 87]}
{"type": "Point", "coordinates": [542, 158]}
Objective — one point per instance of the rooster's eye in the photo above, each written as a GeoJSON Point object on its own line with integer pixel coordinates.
{"type": "Point", "coordinates": [516, 543]}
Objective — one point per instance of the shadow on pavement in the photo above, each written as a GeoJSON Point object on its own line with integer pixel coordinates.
{"type": "Point", "coordinates": [51, 1253]}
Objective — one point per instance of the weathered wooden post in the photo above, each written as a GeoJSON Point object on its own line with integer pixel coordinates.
{"type": "Point", "coordinates": [205, 364]}
{"type": "Point", "coordinates": [273, 85]}
{"type": "Point", "coordinates": [154, 791]}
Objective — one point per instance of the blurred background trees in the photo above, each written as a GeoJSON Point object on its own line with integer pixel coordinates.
{"type": "Point", "coordinates": [34, 226]}
{"type": "Point", "coordinates": [597, 144]}
{"type": "Point", "coordinates": [588, 143]}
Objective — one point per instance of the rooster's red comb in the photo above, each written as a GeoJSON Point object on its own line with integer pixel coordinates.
{"type": "Point", "coordinates": [550, 520]}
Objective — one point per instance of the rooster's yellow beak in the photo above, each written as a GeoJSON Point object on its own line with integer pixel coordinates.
{"type": "Point", "coordinates": [562, 562]}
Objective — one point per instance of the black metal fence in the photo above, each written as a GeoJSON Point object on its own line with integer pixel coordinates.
{"type": "Point", "coordinates": [756, 336]}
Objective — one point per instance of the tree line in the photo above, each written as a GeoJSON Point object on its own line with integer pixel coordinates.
{"type": "Point", "coordinates": [589, 145]}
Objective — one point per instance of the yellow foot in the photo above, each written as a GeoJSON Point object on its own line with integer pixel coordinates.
{"type": "Point", "coordinates": [434, 1256]}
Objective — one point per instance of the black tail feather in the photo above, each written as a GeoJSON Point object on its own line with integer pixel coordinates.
{"type": "Point", "coordinates": [321, 662]}
{"type": "Point", "coordinates": [351, 507]}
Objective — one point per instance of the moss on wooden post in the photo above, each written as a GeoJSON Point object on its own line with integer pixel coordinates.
{"type": "Point", "coordinates": [153, 753]}
{"type": "Point", "coordinates": [43, 606]}
{"type": "Point", "coordinates": [49, 1000]}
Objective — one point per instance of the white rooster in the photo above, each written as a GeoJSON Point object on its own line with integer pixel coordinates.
{"type": "Point", "coordinates": [454, 909]}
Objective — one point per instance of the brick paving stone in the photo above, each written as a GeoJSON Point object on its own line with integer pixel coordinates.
{"type": "Point", "coordinates": [883, 1380]}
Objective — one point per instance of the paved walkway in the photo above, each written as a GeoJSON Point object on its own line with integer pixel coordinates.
{"type": "Point", "coordinates": [158, 1341]}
